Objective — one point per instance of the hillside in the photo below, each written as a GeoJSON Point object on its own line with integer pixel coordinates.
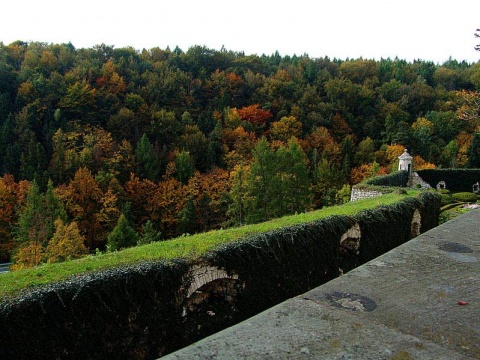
{"type": "Point", "coordinates": [102, 142]}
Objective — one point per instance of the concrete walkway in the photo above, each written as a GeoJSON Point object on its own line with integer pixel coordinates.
{"type": "Point", "coordinates": [419, 301]}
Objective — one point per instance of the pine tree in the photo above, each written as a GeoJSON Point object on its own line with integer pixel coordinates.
{"type": "Point", "coordinates": [57, 163]}
{"type": "Point", "coordinates": [122, 235]}
{"type": "Point", "coordinates": [149, 166]}
{"type": "Point", "coordinates": [31, 224]}
{"type": "Point", "coordinates": [184, 167]}
{"type": "Point", "coordinates": [187, 218]}
{"type": "Point", "coordinates": [237, 210]}
{"type": "Point", "coordinates": [36, 221]}
{"type": "Point", "coordinates": [298, 186]}
{"type": "Point", "coordinates": [263, 183]}
{"type": "Point", "coordinates": [149, 234]}
{"type": "Point", "coordinates": [347, 157]}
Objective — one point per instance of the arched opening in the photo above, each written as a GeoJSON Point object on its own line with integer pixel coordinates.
{"type": "Point", "coordinates": [416, 225]}
{"type": "Point", "coordinates": [350, 241]}
{"type": "Point", "coordinates": [212, 307]}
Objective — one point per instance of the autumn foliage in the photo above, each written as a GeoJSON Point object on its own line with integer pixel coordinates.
{"type": "Point", "coordinates": [254, 115]}
{"type": "Point", "coordinates": [165, 143]}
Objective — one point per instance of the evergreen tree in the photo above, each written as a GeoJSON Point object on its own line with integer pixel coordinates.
{"type": "Point", "coordinates": [237, 209]}
{"type": "Point", "coordinates": [33, 161]}
{"type": "Point", "coordinates": [365, 153]}
{"type": "Point", "coordinates": [33, 230]}
{"type": "Point", "coordinates": [36, 220]}
{"type": "Point", "coordinates": [187, 119]}
{"type": "Point", "coordinates": [292, 174]}
{"type": "Point", "coordinates": [347, 157]}
{"type": "Point", "coordinates": [149, 234]}
{"type": "Point", "coordinates": [149, 166]}
{"type": "Point", "coordinates": [187, 218]}
{"type": "Point", "coordinates": [473, 152]}
{"type": "Point", "coordinates": [448, 157]}
{"type": "Point", "coordinates": [184, 167]}
{"type": "Point", "coordinates": [122, 235]}
{"type": "Point", "coordinates": [326, 180]}
{"type": "Point", "coordinates": [390, 129]}
{"type": "Point", "coordinates": [31, 224]}
{"type": "Point", "coordinates": [215, 149]}
{"type": "Point", "coordinates": [263, 185]}
{"type": "Point", "coordinates": [57, 163]}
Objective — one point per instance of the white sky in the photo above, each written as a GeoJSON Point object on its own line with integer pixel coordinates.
{"type": "Point", "coordinates": [410, 29]}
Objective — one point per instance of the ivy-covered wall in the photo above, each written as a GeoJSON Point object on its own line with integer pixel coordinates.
{"type": "Point", "coordinates": [457, 180]}
{"type": "Point", "coordinates": [145, 311]}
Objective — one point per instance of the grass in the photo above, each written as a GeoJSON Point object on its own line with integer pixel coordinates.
{"type": "Point", "coordinates": [186, 247]}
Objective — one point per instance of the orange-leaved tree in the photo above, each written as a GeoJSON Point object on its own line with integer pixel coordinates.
{"type": "Point", "coordinates": [209, 192]}
{"type": "Point", "coordinates": [8, 204]}
{"type": "Point", "coordinates": [94, 211]}
{"type": "Point", "coordinates": [255, 116]}
{"type": "Point", "coordinates": [169, 198]}
{"type": "Point", "coordinates": [139, 194]}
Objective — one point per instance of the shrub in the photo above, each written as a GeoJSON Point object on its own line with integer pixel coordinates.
{"type": "Point", "coordinates": [465, 197]}
{"type": "Point", "coordinates": [444, 217]}
{"type": "Point", "coordinates": [446, 199]}
{"type": "Point", "coordinates": [444, 191]}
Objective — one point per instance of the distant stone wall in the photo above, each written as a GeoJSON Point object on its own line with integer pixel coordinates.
{"type": "Point", "coordinates": [359, 194]}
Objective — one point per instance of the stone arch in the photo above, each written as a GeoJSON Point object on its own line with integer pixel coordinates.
{"type": "Point", "coordinates": [350, 241]}
{"type": "Point", "coordinates": [202, 275]}
{"type": "Point", "coordinates": [476, 188]}
{"type": "Point", "coordinates": [211, 302]}
{"type": "Point", "coordinates": [225, 290]}
{"type": "Point", "coordinates": [441, 185]}
{"type": "Point", "coordinates": [416, 225]}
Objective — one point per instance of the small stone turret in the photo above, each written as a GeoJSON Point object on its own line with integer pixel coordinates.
{"type": "Point", "coordinates": [405, 162]}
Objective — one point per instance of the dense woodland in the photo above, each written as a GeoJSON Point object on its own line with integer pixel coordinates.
{"type": "Point", "coordinates": [106, 148]}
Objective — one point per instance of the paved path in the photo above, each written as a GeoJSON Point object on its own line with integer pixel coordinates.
{"type": "Point", "coordinates": [4, 267]}
{"type": "Point", "coordinates": [418, 301]}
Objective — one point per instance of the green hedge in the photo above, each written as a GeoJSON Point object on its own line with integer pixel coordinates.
{"type": "Point", "coordinates": [456, 180]}
{"type": "Point", "coordinates": [465, 197]}
{"type": "Point", "coordinates": [396, 179]}
{"type": "Point", "coordinates": [142, 311]}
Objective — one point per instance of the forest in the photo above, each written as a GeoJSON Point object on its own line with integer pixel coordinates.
{"type": "Point", "coordinates": [105, 148]}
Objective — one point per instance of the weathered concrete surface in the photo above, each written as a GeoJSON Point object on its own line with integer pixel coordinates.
{"type": "Point", "coordinates": [419, 301]}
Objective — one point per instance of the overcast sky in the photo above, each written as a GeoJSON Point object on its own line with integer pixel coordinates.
{"type": "Point", "coordinates": [410, 29]}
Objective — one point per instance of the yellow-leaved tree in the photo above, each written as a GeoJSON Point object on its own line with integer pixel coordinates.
{"type": "Point", "coordinates": [28, 255]}
{"type": "Point", "coordinates": [67, 243]}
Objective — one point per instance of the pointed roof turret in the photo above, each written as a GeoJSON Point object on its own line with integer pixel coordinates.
{"type": "Point", "coordinates": [405, 156]}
